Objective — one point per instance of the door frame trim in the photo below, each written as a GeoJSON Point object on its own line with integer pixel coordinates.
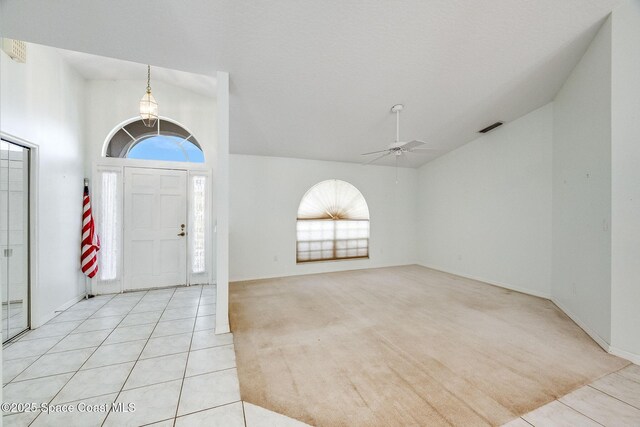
{"type": "Point", "coordinates": [33, 282]}
{"type": "Point", "coordinates": [119, 164]}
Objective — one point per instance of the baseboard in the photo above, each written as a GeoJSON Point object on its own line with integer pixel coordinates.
{"type": "Point", "coordinates": [39, 322]}
{"type": "Point", "coordinates": [113, 290]}
{"type": "Point", "coordinates": [631, 357]}
{"type": "Point", "coordinates": [222, 329]}
{"type": "Point", "coordinates": [297, 274]}
{"type": "Point", "coordinates": [491, 282]}
{"type": "Point", "coordinates": [597, 338]}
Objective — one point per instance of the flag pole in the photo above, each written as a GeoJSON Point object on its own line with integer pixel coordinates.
{"type": "Point", "coordinates": [87, 281]}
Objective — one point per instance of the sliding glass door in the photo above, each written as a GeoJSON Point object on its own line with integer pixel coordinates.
{"type": "Point", "coordinates": [14, 238]}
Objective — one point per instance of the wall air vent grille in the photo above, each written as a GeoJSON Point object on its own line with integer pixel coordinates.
{"type": "Point", "coordinates": [490, 128]}
{"type": "Point", "coordinates": [16, 49]}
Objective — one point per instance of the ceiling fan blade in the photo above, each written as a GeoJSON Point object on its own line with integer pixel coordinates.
{"type": "Point", "coordinates": [374, 152]}
{"type": "Point", "coordinates": [412, 145]}
{"type": "Point", "coordinates": [377, 158]}
{"type": "Point", "coordinates": [423, 149]}
{"type": "Point", "coordinates": [405, 159]}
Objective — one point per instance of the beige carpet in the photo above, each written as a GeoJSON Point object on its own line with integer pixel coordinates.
{"type": "Point", "coordinates": [404, 346]}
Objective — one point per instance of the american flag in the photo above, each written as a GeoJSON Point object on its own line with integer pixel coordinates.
{"type": "Point", "coordinates": [90, 240]}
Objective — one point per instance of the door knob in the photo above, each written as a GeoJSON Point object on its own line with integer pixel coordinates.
{"type": "Point", "coordinates": [182, 234]}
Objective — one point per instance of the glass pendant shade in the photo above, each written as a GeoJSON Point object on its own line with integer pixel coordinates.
{"type": "Point", "coordinates": [148, 104]}
{"type": "Point", "coordinates": [148, 109]}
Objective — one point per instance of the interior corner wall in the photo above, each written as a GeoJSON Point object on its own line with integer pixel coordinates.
{"type": "Point", "coordinates": [625, 275]}
{"type": "Point", "coordinates": [43, 103]}
{"type": "Point", "coordinates": [581, 263]}
{"type": "Point", "coordinates": [264, 198]}
{"type": "Point", "coordinates": [485, 208]}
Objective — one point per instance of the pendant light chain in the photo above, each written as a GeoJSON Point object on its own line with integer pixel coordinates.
{"type": "Point", "coordinates": [148, 78]}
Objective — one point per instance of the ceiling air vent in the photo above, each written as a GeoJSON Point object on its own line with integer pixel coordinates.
{"type": "Point", "coordinates": [16, 49]}
{"type": "Point", "coordinates": [490, 128]}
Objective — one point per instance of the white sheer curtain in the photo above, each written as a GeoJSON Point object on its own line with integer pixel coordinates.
{"type": "Point", "coordinates": [333, 223]}
{"type": "Point", "coordinates": [198, 241]}
{"type": "Point", "coordinates": [109, 226]}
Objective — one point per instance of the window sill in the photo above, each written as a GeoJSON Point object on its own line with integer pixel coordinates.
{"type": "Point", "coordinates": [332, 259]}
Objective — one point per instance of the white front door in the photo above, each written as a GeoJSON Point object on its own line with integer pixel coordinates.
{"type": "Point", "coordinates": [155, 226]}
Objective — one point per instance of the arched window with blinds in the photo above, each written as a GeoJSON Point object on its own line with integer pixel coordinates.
{"type": "Point", "coordinates": [333, 223]}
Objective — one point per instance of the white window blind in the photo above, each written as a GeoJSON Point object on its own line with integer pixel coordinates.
{"type": "Point", "coordinates": [333, 223]}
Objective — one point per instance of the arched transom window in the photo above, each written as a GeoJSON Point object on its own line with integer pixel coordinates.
{"type": "Point", "coordinates": [333, 223]}
{"type": "Point", "coordinates": [166, 141]}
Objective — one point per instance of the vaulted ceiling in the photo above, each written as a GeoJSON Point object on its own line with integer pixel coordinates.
{"type": "Point", "coordinates": [316, 79]}
{"type": "Point", "coordinates": [96, 67]}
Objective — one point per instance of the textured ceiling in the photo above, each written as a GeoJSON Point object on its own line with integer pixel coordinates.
{"type": "Point", "coordinates": [94, 67]}
{"type": "Point", "coordinates": [316, 79]}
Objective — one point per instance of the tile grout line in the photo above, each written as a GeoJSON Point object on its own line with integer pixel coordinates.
{"type": "Point", "coordinates": [186, 365]}
{"type": "Point", "coordinates": [21, 338]}
{"type": "Point", "coordinates": [624, 376]}
{"type": "Point", "coordinates": [584, 415]}
{"type": "Point", "coordinates": [47, 351]}
{"type": "Point", "coordinates": [244, 414]}
{"type": "Point", "coordinates": [138, 358]}
{"type": "Point", "coordinates": [128, 361]}
{"type": "Point", "coordinates": [148, 385]}
{"type": "Point", "coordinates": [195, 412]}
{"type": "Point", "coordinates": [78, 370]}
{"type": "Point", "coordinates": [139, 300]}
{"type": "Point", "coordinates": [71, 332]}
{"type": "Point", "coordinates": [613, 397]}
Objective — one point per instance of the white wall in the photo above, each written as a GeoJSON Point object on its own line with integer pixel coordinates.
{"type": "Point", "coordinates": [222, 207]}
{"type": "Point", "coordinates": [42, 102]}
{"type": "Point", "coordinates": [485, 208]}
{"type": "Point", "coordinates": [264, 196]}
{"type": "Point", "coordinates": [110, 102]}
{"type": "Point", "coordinates": [581, 266]}
{"type": "Point", "coordinates": [625, 309]}
{"type": "Point", "coordinates": [46, 102]}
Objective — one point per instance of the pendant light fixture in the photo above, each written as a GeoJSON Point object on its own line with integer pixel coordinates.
{"type": "Point", "coordinates": [148, 104]}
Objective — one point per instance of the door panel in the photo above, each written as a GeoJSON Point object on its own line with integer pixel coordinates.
{"type": "Point", "coordinates": [155, 214]}
{"type": "Point", "coordinates": [14, 238]}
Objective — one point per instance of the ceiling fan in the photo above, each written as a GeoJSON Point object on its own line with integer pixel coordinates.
{"type": "Point", "coordinates": [397, 148]}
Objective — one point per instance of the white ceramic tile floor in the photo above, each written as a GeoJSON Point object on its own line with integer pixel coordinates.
{"type": "Point", "coordinates": [155, 349]}
{"type": "Point", "coordinates": [222, 416]}
{"type": "Point", "coordinates": [12, 368]}
{"type": "Point", "coordinates": [56, 363]}
{"type": "Point", "coordinates": [163, 346]}
{"type": "Point", "coordinates": [208, 391]}
{"type": "Point", "coordinates": [256, 416]}
{"type": "Point", "coordinates": [210, 360]}
{"type": "Point", "coordinates": [611, 401]}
